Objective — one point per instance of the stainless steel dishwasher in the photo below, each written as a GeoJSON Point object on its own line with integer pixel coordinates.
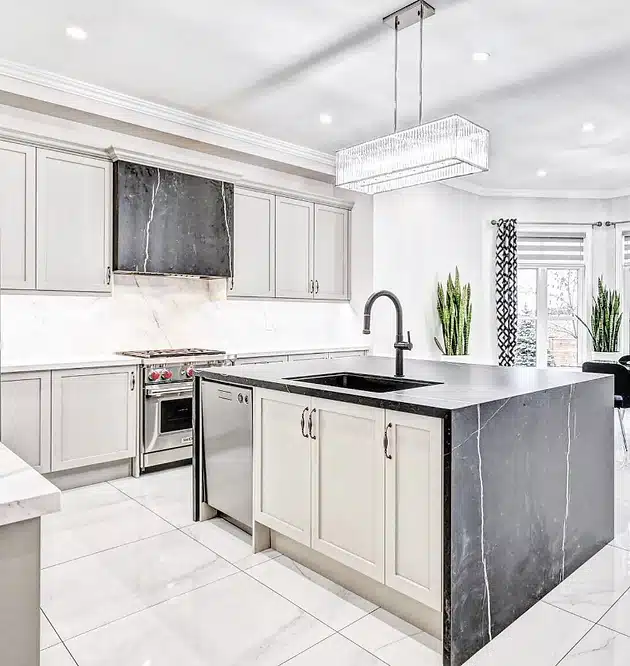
{"type": "Point", "coordinates": [227, 449]}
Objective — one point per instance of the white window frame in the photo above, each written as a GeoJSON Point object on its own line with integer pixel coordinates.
{"type": "Point", "coordinates": [585, 287]}
{"type": "Point", "coordinates": [621, 272]}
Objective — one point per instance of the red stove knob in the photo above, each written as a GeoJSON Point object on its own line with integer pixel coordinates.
{"type": "Point", "coordinates": [167, 374]}
{"type": "Point", "coordinates": [154, 375]}
{"type": "Point", "coordinates": [190, 372]}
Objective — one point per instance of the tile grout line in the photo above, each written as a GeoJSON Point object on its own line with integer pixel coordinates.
{"type": "Point", "coordinates": [137, 501]}
{"type": "Point", "coordinates": [568, 652]}
{"type": "Point", "coordinates": [53, 627]}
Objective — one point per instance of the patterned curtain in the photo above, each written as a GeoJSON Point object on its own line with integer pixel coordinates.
{"type": "Point", "coordinates": [506, 290]}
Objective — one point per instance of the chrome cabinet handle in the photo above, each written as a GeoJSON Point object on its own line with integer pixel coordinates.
{"type": "Point", "coordinates": [386, 442]}
{"type": "Point", "coordinates": [304, 421]}
{"type": "Point", "coordinates": [317, 286]}
{"type": "Point", "coordinates": [312, 287]}
{"type": "Point", "coordinates": [108, 275]}
{"type": "Point", "coordinates": [133, 381]}
{"type": "Point", "coordinates": [310, 424]}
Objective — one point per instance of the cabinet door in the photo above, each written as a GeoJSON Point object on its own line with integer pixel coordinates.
{"type": "Point", "coordinates": [254, 244]}
{"type": "Point", "coordinates": [349, 485]}
{"type": "Point", "coordinates": [413, 507]}
{"type": "Point", "coordinates": [294, 248]}
{"type": "Point", "coordinates": [282, 464]}
{"type": "Point", "coordinates": [74, 222]}
{"type": "Point", "coordinates": [17, 216]}
{"type": "Point", "coordinates": [330, 263]}
{"type": "Point", "coordinates": [25, 427]}
{"type": "Point", "coordinates": [94, 416]}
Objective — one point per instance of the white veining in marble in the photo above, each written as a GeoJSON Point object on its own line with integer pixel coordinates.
{"type": "Point", "coordinates": [126, 579]}
{"type": "Point", "coordinates": [235, 621]}
{"type": "Point", "coordinates": [394, 641]}
{"type": "Point", "coordinates": [227, 231]}
{"type": "Point", "coordinates": [567, 484]}
{"type": "Point", "coordinates": [591, 590]}
{"type": "Point", "coordinates": [482, 530]}
{"type": "Point", "coordinates": [600, 647]}
{"type": "Point", "coordinates": [154, 191]}
{"type": "Point", "coordinates": [327, 601]}
{"type": "Point", "coordinates": [24, 493]}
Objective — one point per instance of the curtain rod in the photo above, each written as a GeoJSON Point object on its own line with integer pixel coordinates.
{"type": "Point", "coordinates": [606, 223]}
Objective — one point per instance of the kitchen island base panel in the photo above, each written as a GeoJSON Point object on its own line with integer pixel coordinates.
{"type": "Point", "coordinates": [531, 500]}
{"type": "Point", "coordinates": [19, 600]}
{"type": "Point", "coordinates": [398, 604]}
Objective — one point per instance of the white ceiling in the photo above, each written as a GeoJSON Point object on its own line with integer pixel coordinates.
{"type": "Point", "coordinates": [273, 66]}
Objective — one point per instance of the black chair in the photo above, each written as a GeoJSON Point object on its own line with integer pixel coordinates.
{"type": "Point", "coordinates": [621, 372]}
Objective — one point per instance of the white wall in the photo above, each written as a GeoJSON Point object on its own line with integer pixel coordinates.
{"type": "Point", "coordinates": [420, 234]}
{"type": "Point", "coordinates": [160, 312]}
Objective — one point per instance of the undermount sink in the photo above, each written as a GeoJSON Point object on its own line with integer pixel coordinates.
{"type": "Point", "coordinates": [369, 383]}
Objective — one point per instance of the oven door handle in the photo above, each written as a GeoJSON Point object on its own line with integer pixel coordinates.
{"type": "Point", "coordinates": [163, 393]}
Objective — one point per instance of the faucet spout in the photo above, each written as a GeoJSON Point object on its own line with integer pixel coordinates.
{"type": "Point", "coordinates": [400, 345]}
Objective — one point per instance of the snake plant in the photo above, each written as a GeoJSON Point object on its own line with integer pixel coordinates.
{"type": "Point", "coordinates": [454, 308]}
{"type": "Point", "coordinates": [605, 319]}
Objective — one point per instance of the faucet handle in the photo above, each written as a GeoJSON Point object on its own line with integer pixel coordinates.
{"type": "Point", "coordinates": [409, 343]}
{"type": "Point", "coordinates": [407, 346]}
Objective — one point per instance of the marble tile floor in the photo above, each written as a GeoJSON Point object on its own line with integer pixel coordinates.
{"type": "Point", "coordinates": [128, 579]}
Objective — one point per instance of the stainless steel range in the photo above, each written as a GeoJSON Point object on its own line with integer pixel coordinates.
{"type": "Point", "coordinates": [167, 403]}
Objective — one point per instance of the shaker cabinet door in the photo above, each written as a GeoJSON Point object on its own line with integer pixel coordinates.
{"type": "Point", "coordinates": [348, 483]}
{"type": "Point", "coordinates": [94, 416]}
{"type": "Point", "coordinates": [294, 248]}
{"type": "Point", "coordinates": [254, 244]}
{"type": "Point", "coordinates": [17, 216]}
{"type": "Point", "coordinates": [74, 222]}
{"type": "Point", "coordinates": [282, 464]}
{"type": "Point", "coordinates": [330, 263]}
{"type": "Point", "coordinates": [413, 513]}
{"type": "Point", "coordinates": [25, 426]}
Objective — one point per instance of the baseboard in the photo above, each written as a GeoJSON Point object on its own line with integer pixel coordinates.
{"type": "Point", "coordinates": [86, 476]}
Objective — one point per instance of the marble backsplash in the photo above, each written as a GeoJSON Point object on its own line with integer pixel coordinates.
{"type": "Point", "coordinates": [157, 312]}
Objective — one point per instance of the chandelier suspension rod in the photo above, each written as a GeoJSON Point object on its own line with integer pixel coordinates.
{"type": "Point", "coordinates": [396, 25]}
{"type": "Point", "coordinates": [420, 93]}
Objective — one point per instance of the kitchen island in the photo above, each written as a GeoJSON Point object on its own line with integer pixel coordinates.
{"type": "Point", "coordinates": [471, 496]}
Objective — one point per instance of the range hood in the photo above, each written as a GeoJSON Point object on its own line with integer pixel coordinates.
{"type": "Point", "coordinates": [170, 223]}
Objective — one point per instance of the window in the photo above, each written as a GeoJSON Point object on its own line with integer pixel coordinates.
{"type": "Point", "coordinates": [551, 292]}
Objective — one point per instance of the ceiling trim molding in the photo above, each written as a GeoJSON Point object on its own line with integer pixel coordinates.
{"type": "Point", "coordinates": [473, 188]}
{"type": "Point", "coordinates": [45, 141]}
{"type": "Point", "coordinates": [220, 133]}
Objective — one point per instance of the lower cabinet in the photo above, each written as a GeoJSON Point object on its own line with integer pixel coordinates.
{"type": "Point", "coordinates": [25, 425]}
{"type": "Point", "coordinates": [94, 416]}
{"type": "Point", "coordinates": [359, 484]}
{"type": "Point", "coordinates": [413, 507]}
{"type": "Point", "coordinates": [282, 464]}
{"type": "Point", "coordinates": [348, 485]}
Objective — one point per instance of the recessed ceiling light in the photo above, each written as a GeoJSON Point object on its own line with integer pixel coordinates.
{"type": "Point", "coordinates": [588, 127]}
{"type": "Point", "coordinates": [75, 32]}
{"type": "Point", "coordinates": [541, 173]}
{"type": "Point", "coordinates": [325, 118]}
{"type": "Point", "coordinates": [480, 56]}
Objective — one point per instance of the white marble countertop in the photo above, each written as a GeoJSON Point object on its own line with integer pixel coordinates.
{"type": "Point", "coordinates": [24, 493]}
{"type": "Point", "coordinates": [247, 352]}
{"type": "Point", "coordinates": [50, 362]}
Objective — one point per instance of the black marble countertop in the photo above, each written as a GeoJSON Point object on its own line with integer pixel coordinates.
{"type": "Point", "coordinates": [460, 385]}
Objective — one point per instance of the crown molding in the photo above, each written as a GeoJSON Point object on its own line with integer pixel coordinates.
{"type": "Point", "coordinates": [45, 141]}
{"type": "Point", "coordinates": [473, 188]}
{"type": "Point", "coordinates": [59, 89]}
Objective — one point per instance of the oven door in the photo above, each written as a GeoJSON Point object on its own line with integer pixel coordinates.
{"type": "Point", "coordinates": [167, 417]}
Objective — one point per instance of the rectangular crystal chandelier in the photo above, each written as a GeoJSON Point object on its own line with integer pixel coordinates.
{"type": "Point", "coordinates": [430, 152]}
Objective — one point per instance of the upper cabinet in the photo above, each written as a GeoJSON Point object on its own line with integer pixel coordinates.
{"type": "Point", "coordinates": [254, 244]}
{"type": "Point", "coordinates": [289, 248]}
{"type": "Point", "coordinates": [294, 248]}
{"type": "Point", "coordinates": [55, 220]}
{"type": "Point", "coordinates": [74, 196]}
{"type": "Point", "coordinates": [17, 216]}
{"type": "Point", "coordinates": [330, 254]}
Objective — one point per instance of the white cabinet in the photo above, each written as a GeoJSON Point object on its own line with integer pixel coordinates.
{"type": "Point", "coordinates": [17, 216]}
{"type": "Point", "coordinates": [25, 400]}
{"type": "Point", "coordinates": [282, 467]}
{"type": "Point", "coordinates": [330, 254]}
{"type": "Point", "coordinates": [294, 248]}
{"type": "Point", "coordinates": [413, 507]}
{"type": "Point", "coordinates": [254, 244]}
{"type": "Point", "coordinates": [74, 222]}
{"type": "Point", "coordinates": [94, 416]}
{"type": "Point", "coordinates": [348, 483]}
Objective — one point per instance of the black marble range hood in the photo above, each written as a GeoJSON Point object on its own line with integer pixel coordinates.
{"type": "Point", "coordinates": [170, 223]}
